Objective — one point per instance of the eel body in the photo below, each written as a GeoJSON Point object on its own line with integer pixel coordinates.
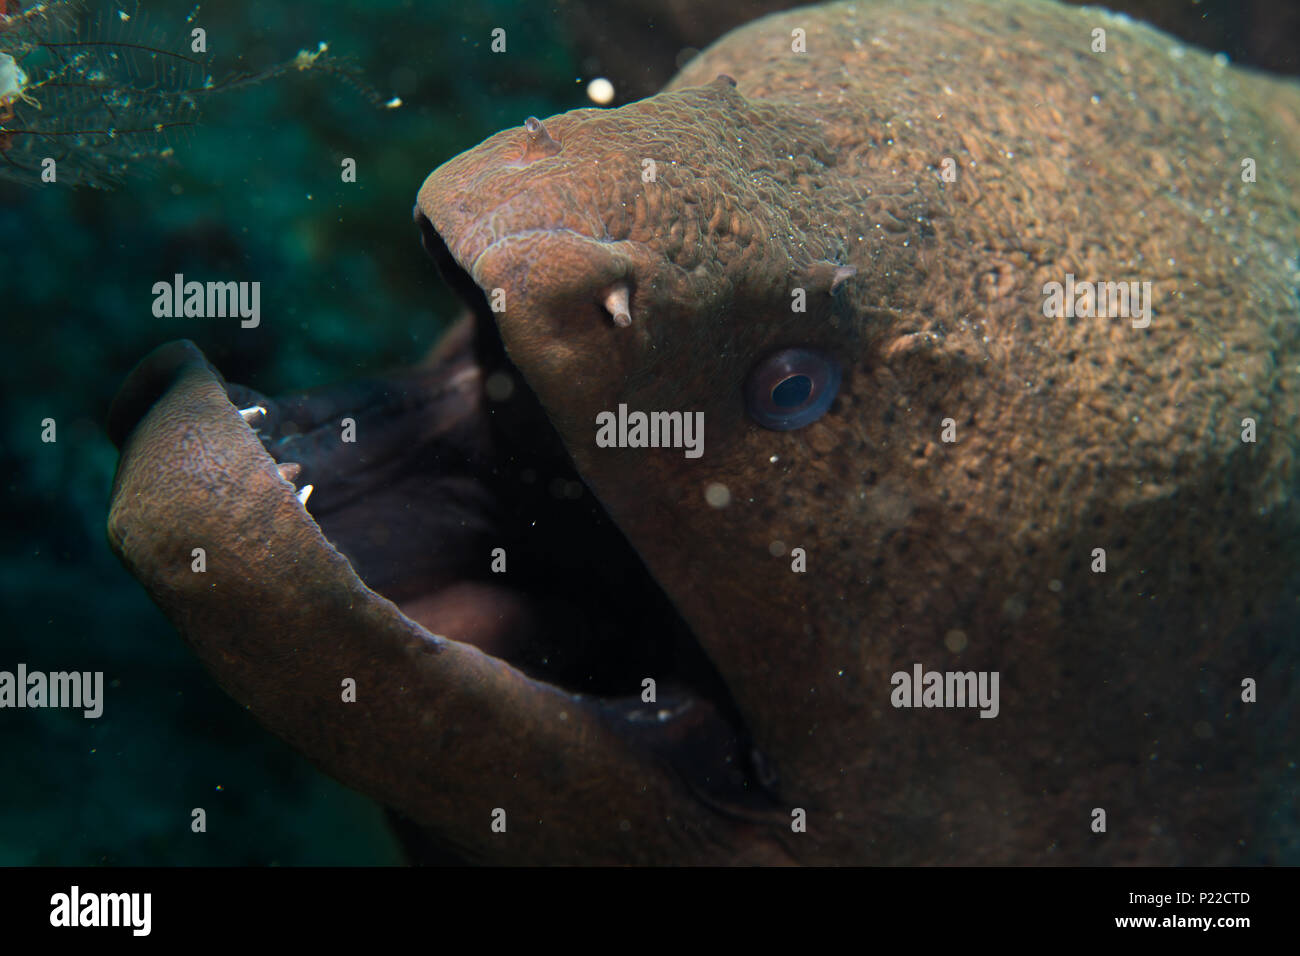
{"type": "Point", "coordinates": [1093, 514]}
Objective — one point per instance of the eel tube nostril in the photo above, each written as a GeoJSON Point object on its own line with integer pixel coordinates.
{"type": "Point", "coordinates": [616, 303]}
{"type": "Point", "coordinates": [539, 144]}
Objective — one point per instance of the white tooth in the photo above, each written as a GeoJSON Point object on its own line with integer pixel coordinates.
{"type": "Point", "coordinates": [289, 470]}
{"type": "Point", "coordinates": [251, 413]}
{"type": "Point", "coordinates": [617, 305]}
{"type": "Point", "coordinates": [473, 373]}
{"type": "Point", "coordinates": [303, 494]}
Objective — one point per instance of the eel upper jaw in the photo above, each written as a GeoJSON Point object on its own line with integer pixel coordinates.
{"type": "Point", "coordinates": [441, 730]}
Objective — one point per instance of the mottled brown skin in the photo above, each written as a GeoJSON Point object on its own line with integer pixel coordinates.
{"type": "Point", "coordinates": [639, 44]}
{"type": "Point", "coordinates": [1073, 434]}
{"type": "Point", "coordinates": [1118, 690]}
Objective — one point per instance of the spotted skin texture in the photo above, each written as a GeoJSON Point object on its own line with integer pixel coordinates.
{"type": "Point", "coordinates": [760, 172]}
{"type": "Point", "coordinates": [1072, 434]}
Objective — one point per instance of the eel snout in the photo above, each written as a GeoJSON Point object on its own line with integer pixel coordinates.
{"type": "Point", "coordinates": [447, 734]}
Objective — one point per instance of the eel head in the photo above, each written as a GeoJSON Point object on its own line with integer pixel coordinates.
{"type": "Point", "coordinates": [537, 648]}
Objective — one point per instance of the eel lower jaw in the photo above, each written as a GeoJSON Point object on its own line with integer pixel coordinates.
{"type": "Point", "coordinates": [483, 683]}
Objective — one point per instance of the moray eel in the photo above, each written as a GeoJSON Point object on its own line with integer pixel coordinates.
{"type": "Point", "coordinates": [834, 236]}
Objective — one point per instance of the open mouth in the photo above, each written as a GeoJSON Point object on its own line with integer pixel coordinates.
{"type": "Point", "coordinates": [448, 492]}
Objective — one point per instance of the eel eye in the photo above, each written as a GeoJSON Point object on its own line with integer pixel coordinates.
{"type": "Point", "coordinates": [791, 388]}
